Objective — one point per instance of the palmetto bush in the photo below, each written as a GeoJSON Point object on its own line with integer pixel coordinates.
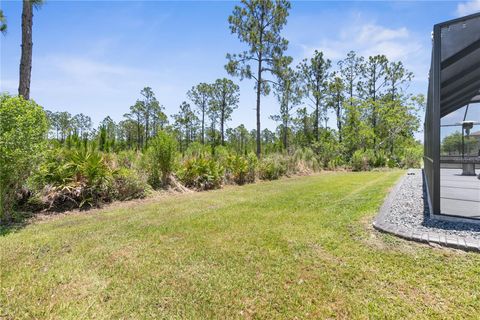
{"type": "Point", "coordinates": [84, 177]}
{"type": "Point", "coordinates": [362, 160]}
{"type": "Point", "coordinates": [240, 170]}
{"type": "Point", "coordinates": [74, 178]}
{"type": "Point", "coordinates": [412, 157]}
{"type": "Point", "coordinates": [196, 149]}
{"type": "Point", "coordinates": [379, 159]}
{"type": "Point", "coordinates": [273, 167]}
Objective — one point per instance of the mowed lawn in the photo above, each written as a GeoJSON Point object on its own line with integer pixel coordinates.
{"type": "Point", "coordinates": [300, 247]}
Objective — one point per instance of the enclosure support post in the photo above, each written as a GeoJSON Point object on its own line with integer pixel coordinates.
{"type": "Point", "coordinates": [436, 119]}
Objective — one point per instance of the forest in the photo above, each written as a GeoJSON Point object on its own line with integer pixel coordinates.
{"type": "Point", "coordinates": [56, 161]}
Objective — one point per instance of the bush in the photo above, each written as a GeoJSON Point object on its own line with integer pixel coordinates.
{"type": "Point", "coordinates": [378, 160]}
{"type": "Point", "coordinates": [252, 162]}
{"type": "Point", "coordinates": [84, 177]}
{"type": "Point", "coordinates": [392, 162]}
{"type": "Point", "coordinates": [196, 149]}
{"type": "Point", "coordinates": [23, 128]}
{"type": "Point", "coordinates": [161, 159]}
{"type": "Point", "coordinates": [201, 173]}
{"type": "Point", "coordinates": [241, 170]}
{"type": "Point", "coordinates": [127, 159]}
{"type": "Point", "coordinates": [412, 157]}
{"type": "Point", "coordinates": [361, 160]}
{"type": "Point", "coordinates": [69, 179]}
{"type": "Point", "coordinates": [334, 163]}
{"type": "Point", "coordinates": [328, 150]}
{"type": "Point", "coordinates": [305, 161]}
{"type": "Point", "coordinates": [221, 153]}
{"type": "Point", "coordinates": [272, 167]}
{"type": "Point", "coordinates": [128, 184]}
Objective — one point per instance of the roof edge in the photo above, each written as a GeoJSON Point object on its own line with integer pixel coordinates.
{"type": "Point", "coordinates": [456, 20]}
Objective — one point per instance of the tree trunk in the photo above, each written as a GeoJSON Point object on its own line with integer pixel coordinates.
{"type": "Point", "coordinates": [305, 124]}
{"type": "Point", "coordinates": [138, 133]}
{"type": "Point", "coordinates": [339, 120]}
{"type": "Point", "coordinates": [374, 112]}
{"type": "Point", "coordinates": [26, 57]}
{"type": "Point", "coordinates": [351, 93]}
{"type": "Point", "coordinates": [203, 124]}
{"type": "Point", "coordinates": [259, 92]}
{"type": "Point", "coordinates": [222, 120]}
{"type": "Point", "coordinates": [146, 132]}
{"type": "Point", "coordinates": [317, 106]}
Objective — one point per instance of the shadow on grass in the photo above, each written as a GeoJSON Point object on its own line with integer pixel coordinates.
{"type": "Point", "coordinates": [19, 221]}
{"type": "Point", "coordinates": [22, 219]}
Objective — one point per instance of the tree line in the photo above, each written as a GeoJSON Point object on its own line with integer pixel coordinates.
{"type": "Point", "coordinates": [367, 96]}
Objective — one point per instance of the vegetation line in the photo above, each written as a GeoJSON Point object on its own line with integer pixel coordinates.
{"type": "Point", "coordinates": [55, 161]}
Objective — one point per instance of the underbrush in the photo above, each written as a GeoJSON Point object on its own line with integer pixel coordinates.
{"type": "Point", "coordinates": [241, 170]}
{"type": "Point", "coordinates": [201, 173]}
{"type": "Point", "coordinates": [82, 178]}
{"type": "Point", "coordinates": [79, 175]}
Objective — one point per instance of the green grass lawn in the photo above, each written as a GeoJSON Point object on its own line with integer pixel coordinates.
{"type": "Point", "coordinates": [301, 247]}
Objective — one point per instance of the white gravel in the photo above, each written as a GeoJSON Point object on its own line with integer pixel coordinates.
{"type": "Point", "coordinates": [409, 209]}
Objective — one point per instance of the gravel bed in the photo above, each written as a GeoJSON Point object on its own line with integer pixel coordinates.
{"type": "Point", "coordinates": [409, 209]}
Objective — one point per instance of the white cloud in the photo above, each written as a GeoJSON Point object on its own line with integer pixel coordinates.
{"type": "Point", "coordinates": [94, 86]}
{"type": "Point", "coordinates": [375, 33]}
{"type": "Point", "coordinates": [396, 44]}
{"type": "Point", "coordinates": [68, 73]}
{"type": "Point", "coordinates": [469, 7]}
{"type": "Point", "coordinates": [368, 38]}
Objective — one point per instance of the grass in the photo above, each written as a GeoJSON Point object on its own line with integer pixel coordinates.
{"type": "Point", "coordinates": [297, 248]}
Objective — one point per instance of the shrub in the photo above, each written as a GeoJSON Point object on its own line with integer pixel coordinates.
{"type": "Point", "coordinates": [378, 160]}
{"type": "Point", "coordinates": [221, 153]}
{"type": "Point", "coordinates": [23, 127]}
{"type": "Point", "coordinates": [69, 179]}
{"type": "Point", "coordinates": [252, 162]}
{"type": "Point", "coordinates": [236, 169]}
{"type": "Point", "coordinates": [128, 184]}
{"type": "Point", "coordinates": [201, 173]}
{"type": "Point", "coordinates": [392, 163]}
{"type": "Point", "coordinates": [327, 149]}
{"type": "Point", "coordinates": [89, 166]}
{"type": "Point", "coordinates": [240, 170]}
{"type": "Point", "coordinates": [334, 163]}
{"type": "Point", "coordinates": [305, 161]}
{"type": "Point", "coordinates": [412, 157]}
{"type": "Point", "coordinates": [272, 167]}
{"type": "Point", "coordinates": [361, 160]}
{"type": "Point", "coordinates": [127, 159]}
{"type": "Point", "coordinates": [196, 149]}
{"type": "Point", "coordinates": [54, 169]}
{"type": "Point", "coordinates": [83, 177]}
{"type": "Point", "coordinates": [161, 159]}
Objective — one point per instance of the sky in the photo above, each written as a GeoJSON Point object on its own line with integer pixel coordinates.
{"type": "Point", "coordinates": [94, 57]}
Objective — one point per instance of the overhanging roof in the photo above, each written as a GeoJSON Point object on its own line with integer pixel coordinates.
{"type": "Point", "coordinates": [460, 63]}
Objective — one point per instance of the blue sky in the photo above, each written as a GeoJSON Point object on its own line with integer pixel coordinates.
{"type": "Point", "coordinates": [94, 57]}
